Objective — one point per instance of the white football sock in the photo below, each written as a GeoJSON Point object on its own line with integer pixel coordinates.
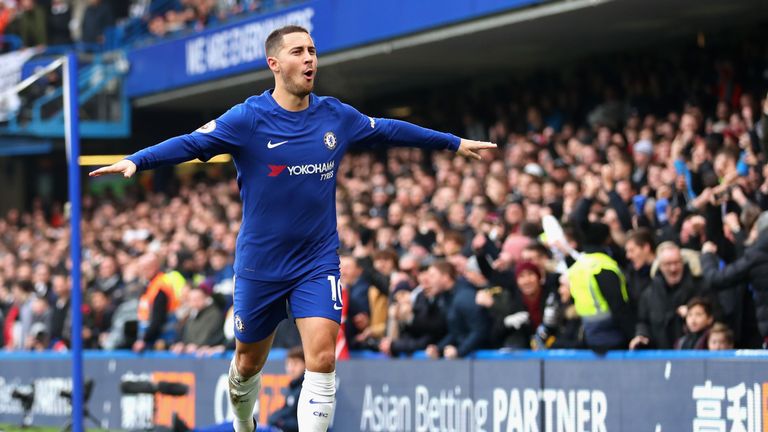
{"type": "Point", "coordinates": [243, 394]}
{"type": "Point", "coordinates": [317, 401]}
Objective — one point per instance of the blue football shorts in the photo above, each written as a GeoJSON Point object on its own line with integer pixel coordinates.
{"type": "Point", "coordinates": [260, 306]}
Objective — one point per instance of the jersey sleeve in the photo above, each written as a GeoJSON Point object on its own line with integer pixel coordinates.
{"type": "Point", "coordinates": [377, 132]}
{"type": "Point", "coordinates": [223, 135]}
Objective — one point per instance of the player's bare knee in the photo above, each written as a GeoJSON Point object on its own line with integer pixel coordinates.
{"type": "Point", "coordinates": [323, 361]}
{"type": "Point", "coordinates": [248, 364]}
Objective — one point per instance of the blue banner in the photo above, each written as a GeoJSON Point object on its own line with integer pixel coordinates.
{"type": "Point", "coordinates": [335, 25]}
{"type": "Point", "coordinates": [533, 392]}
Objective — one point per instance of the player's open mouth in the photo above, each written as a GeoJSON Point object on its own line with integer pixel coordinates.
{"type": "Point", "coordinates": [309, 74]}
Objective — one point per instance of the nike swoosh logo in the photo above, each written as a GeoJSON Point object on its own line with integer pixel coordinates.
{"type": "Point", "coordinates": [271, 146]}
{"type": "Point", "coordinates": [337, 307]}
{"type": "Point", "coordinates": [314, 402]}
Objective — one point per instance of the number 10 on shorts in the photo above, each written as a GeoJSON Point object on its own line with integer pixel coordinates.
{"type": "Point", "coordinates": [335, 292]}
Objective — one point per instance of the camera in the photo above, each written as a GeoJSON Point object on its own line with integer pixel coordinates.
{"type": "Point", "coordinates": [26, 396]}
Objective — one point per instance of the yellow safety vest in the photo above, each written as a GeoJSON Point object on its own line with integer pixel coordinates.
{"type": "Point", "coordinates": [587, 297]}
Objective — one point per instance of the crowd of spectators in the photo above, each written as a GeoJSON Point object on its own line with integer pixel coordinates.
{"type": "Point", "coordinates": [60, 22]}
{"type": "Point", "coordinates": [660, 169]}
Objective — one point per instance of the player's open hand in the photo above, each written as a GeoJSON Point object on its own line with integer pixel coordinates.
{"type": "Point", "coordinates": [470, 148]}
{"type": "Point", "coordinates": [124, 167]}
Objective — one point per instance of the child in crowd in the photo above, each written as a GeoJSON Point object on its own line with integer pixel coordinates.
{"type": "Point", "coordinates": [720, 338]}
{"type": "Point", "coordinates": [698, 322]}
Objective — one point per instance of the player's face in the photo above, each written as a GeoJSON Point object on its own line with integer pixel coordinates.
{"type": "Point", "coordinates": [297, 63]}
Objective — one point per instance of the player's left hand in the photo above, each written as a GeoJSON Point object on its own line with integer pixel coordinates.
{"type": "Point", "coordinates": [469, 148]}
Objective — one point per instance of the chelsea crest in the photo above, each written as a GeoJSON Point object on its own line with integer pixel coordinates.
{"type": "Point", "coordinates": [329, 139]}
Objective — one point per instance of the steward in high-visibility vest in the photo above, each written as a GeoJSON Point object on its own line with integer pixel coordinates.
{"type": "Point", "coordinates": [601, 299]}
{"type": "Point", "coordinates": [156, 305]}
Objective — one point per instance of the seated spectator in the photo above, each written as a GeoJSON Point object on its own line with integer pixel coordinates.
{"type": "Point", "coordinates": [202, 326]}
{"type": "Point", "coordinates": [698, 322]}
{"type": "Point", "coordinates": [285, 418]}
{"type": "Point", "coordinates": [720, 338]}
{"type": "Point", "coordinates": [468, 323]}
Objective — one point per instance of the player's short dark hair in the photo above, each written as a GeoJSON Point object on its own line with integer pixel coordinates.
{"type": "Point", "coordinates": [642, 237]}
{"type": "Point", "coordinates": [296, 353]}
{"type": "Point", "coordinates": [275, 39]}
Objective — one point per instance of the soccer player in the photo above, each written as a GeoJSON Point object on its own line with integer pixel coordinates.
{"type": "Point", "coordinates": [287, 144]}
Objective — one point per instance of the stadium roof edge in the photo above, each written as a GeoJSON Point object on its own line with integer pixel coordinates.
{"type": "Point", "coordinates": [382, 48]}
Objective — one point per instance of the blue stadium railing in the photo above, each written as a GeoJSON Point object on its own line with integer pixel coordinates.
{"type": "Point", "coordinates": [280, 354]}
{"type": "Point", "coordinates": [98, 70]}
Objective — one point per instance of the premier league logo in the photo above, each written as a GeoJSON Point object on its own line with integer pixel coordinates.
{"type": "Point", "coordinates": [329, 139]}
{"type": "Point", "coordinates": [208, 127]}
{"type": "Point", "coordinates": [239, 324]}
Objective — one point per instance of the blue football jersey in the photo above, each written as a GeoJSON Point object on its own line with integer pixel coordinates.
{"type": "Point", "coordinates": [286, 170]}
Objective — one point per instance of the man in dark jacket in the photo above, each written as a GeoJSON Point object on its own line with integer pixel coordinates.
{"type": "Point", "coordinates": [640, 257]}
{"type": "Point", "coordinates": [203, 327]}
{"type": "Point", "coordinates": [751, 268]}
{"type": "Point", "coordinates": [661, 312]}
{"type": "Point", "coordinates": [285, 418]}
{"type": "Point", "coordinates": [420, 319]}
{"type": "Point", "coordinates": [468, 322]}
{"type": "Point", "coordinates": [96, 19]}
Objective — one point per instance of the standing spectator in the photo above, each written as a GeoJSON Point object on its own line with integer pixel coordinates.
{"type": "Point", "coordinates": [60, 314]}
{"type": "Point", "coordinates": [600, 294]}
{"type": "Point", "coordinates": [366, 311]}
{"type": "Point", "coordinates": [156, 305]}
{"type": "Point", "coordinates": [96, 19]}
{"type": "Point", "coordinates": [29, 24]}
{"type": "Point", "coordinates": [203, 326]}
{"type": "Point", "coordinates": [7, 12]}
{"type": "Point", "coordinates": [418, 318]}
{"type": "Point", "coordinates": [698, 322]}
{"type": "Point", "coordinates": [468, 323]}
{"type": "Point", "coordinates": [59, 17]}
{"type": "Point", "coordinates": [640, 257]}
{"type": "Point", "coordinates": [39, 336]}
{"type": "Point", "coordinates": [18, 320]}
{"type": "Point", "coordinates": [518, 312]}
{"type": "Point", "coordinates": [751, 268]}
{"type": "Point", "coordinates": [108, 280]}
{"type": "Point", "coordinates": [98, 319]}
{"type": "Point", "coordinates": [662, 306]}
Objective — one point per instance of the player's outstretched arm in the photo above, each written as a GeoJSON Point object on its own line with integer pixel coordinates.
{"type": "Point", "coordinates": [124, 167]}
{"type": "Point", "coordinates": [470, 148]}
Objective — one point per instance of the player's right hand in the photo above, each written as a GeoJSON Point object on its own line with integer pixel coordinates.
{"type": "Point", "coordinates": [470, 148]}
{"type": "Point", "coordinates": [124, 167]}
